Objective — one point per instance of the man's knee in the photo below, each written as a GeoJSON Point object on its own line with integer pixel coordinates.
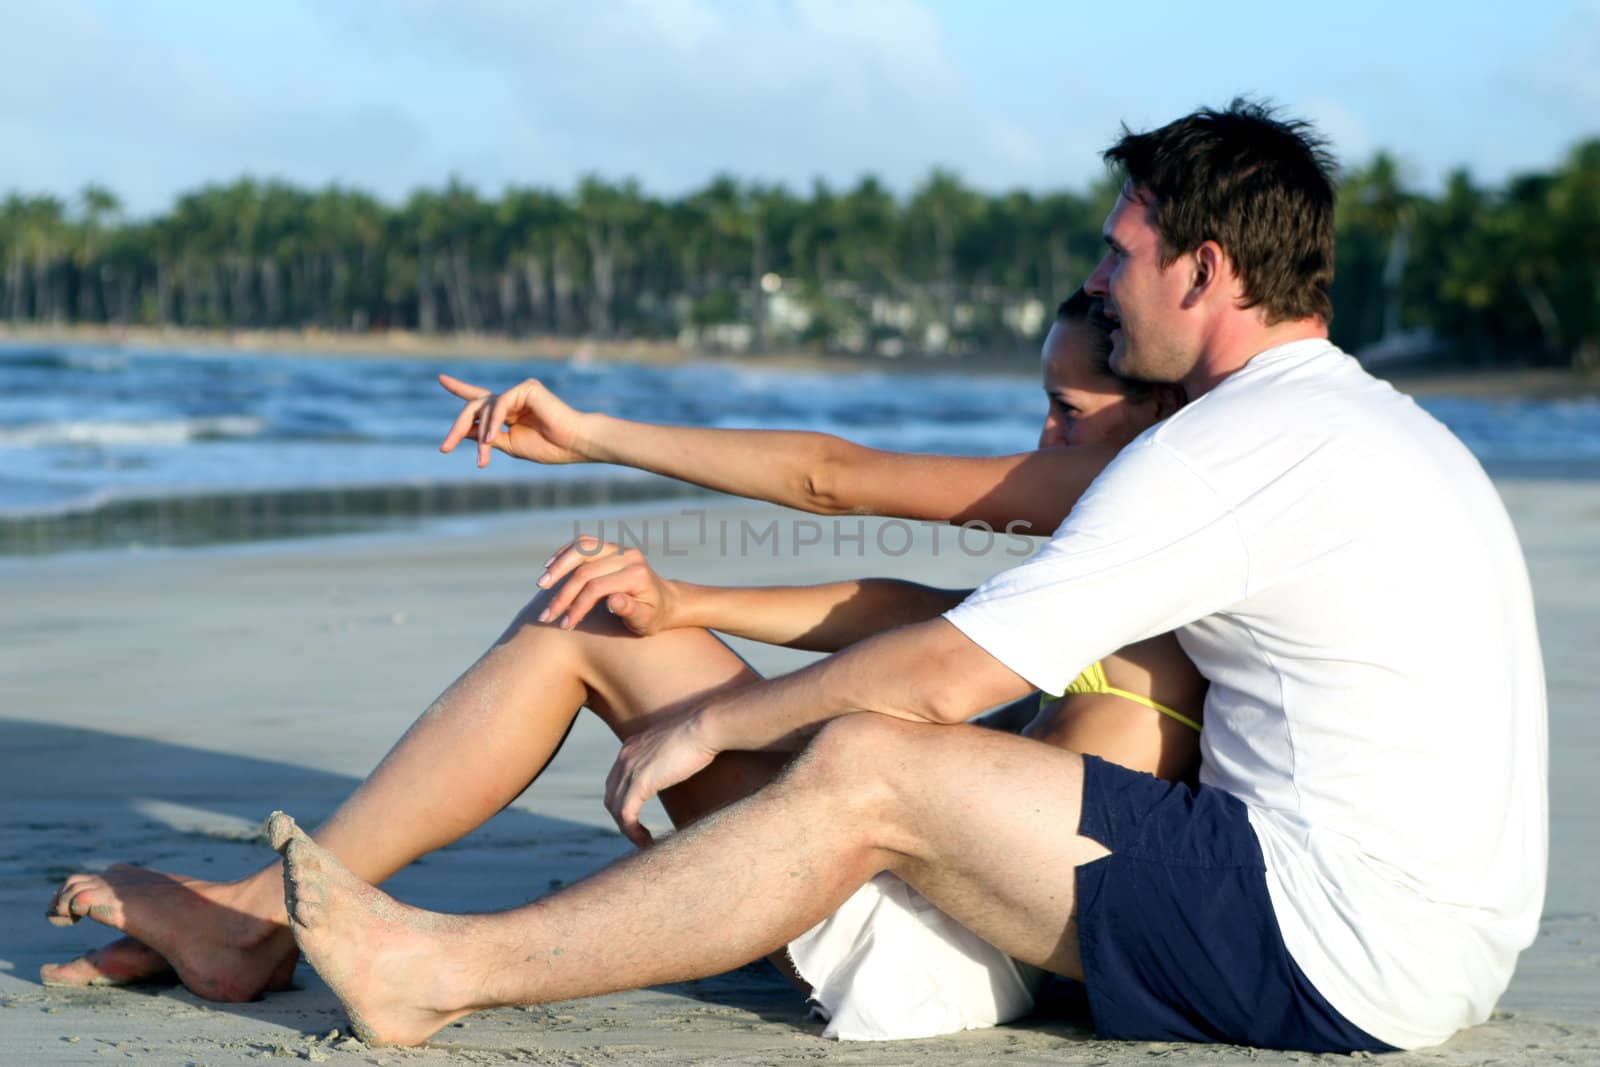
{"type": "Point", "coordinates": [867, 775]}
{"type": "Point", "coordinates": [857, 755]}
{"type": "Point", "coordinates": [858, 736]}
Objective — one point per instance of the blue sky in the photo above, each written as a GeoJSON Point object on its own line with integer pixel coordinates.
{"type": "Point", "coordinates": [157, 97]}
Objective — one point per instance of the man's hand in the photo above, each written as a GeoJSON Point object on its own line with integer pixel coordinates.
{"type": "Point", "coordinates": [657, 759]}
{"type": "Point", "coordinates": [598, 570]}
{"type": "Point", "coordinates": [526, 421]}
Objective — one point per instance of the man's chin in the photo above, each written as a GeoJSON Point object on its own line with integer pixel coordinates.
{"type": "Point", "coordinates": [1125, 363]}
{"type": "Point", "coordinates": [1118, 360]}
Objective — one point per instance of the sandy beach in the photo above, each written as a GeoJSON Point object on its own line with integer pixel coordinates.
{"type": "Point", "coordinates": [155, 706]}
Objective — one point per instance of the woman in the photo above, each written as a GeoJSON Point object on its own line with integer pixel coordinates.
{"type": "Point", "coordinates": [1092, 414]}
{"type": "Point", "coordinates": [229, 941]}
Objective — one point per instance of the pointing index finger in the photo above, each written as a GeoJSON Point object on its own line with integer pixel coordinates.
{"type": "Point", "coordinates": [464, 390]}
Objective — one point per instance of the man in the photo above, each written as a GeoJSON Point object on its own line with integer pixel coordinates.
{"type": "Point", "coordinates": [1365, 855]}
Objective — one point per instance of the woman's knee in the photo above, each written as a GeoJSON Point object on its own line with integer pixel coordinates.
{"type": "Point", "coordinates": [531, 620]}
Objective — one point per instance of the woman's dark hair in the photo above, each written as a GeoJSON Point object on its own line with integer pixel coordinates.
{"type": "Point", "coordinates": [1081, 309]}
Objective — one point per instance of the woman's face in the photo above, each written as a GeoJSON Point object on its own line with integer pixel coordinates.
{"type": "Point", "coordinates": [1086, 407]}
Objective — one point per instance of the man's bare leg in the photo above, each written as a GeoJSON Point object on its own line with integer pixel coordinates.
{"type": "Point", "coordinates": [996, 850]}
{"type": "Point", "coordinates": [229, 941]}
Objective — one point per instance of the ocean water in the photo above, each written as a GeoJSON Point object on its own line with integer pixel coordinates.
{"type": "Point", "coordinates": [104, 446]}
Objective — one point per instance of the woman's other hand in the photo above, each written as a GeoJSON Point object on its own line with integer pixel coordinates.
{"type": "Point", "coordinates": [596, 571]}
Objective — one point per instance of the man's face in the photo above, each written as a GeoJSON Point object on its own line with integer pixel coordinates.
{"type": "Point", "coordinates": [1143, 298]}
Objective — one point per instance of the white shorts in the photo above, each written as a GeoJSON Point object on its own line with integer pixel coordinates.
{"type": "Point", "coordinates": [889, 965]}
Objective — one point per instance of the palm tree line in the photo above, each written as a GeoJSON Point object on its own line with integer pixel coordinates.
{"type": "Point", "coordinates": [1507, 274]}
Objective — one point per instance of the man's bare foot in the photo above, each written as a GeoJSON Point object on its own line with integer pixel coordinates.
{"type": "Point", "coordinates": [390, 964]}
{"type": "Point", "coordinates": [212, 935]}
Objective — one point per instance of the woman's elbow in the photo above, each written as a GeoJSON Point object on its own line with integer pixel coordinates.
{"type": "Point", "coordinates": [823, 482]}
{"type": "Point", "coordinates": [815, 496]}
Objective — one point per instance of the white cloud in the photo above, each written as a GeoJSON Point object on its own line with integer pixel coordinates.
{"type": "Point", "coordinates": [84, 101]}
{"type": "Point", "coordinates": [396, 95]}
{"type": "Point", "coordinates": [399, 93]}
{"type": "Point", "coordinates": [673, 90]}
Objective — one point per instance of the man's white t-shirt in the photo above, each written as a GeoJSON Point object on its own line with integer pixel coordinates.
{"type": "Point", "coordinates": [1341, 569]}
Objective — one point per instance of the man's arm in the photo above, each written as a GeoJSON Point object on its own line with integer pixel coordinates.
{"type": "Point", "coordinates": [930, 673]}
{"type": "Point", "coordinates": [1152, 548]}
{"type": "Point", "coordinates": [812, 472]}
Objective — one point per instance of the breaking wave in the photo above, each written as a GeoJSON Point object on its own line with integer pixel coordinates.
{"type": "Point", "coordinates": [123, 433]}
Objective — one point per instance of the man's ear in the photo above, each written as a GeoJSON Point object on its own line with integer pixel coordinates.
{"type": "Point", "coordinates": [1208, 265]}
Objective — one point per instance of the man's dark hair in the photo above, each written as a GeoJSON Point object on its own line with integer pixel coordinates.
{"type": "Point", "coordinates": [1082, 309]}
{"type": "Point", "coordinates": [1259, 186]}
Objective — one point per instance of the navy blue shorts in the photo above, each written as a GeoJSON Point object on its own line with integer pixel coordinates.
{"type": "Point", "coordinates": [1177, 933]}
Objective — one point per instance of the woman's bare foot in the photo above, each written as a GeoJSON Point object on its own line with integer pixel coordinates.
{"type": "Point", "coordinates": [390, 964]}
{"type": "Point", "coordinates": [215, 936]}
{"type": "Point", "coordinates": [125, 961]}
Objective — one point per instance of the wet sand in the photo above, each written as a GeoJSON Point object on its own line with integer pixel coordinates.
{"type": "Point", "coordinates": [155, 706]}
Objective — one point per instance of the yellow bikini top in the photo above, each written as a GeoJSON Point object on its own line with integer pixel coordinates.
{"type": "Point", "coordinates": [1093, 680]}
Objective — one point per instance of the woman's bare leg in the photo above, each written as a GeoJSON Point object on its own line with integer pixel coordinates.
{"type": "Point", "coordinates": [229, 941]}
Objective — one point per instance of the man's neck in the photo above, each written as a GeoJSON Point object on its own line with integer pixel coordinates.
{"type": "Point", "coordinates": [1235, 344]}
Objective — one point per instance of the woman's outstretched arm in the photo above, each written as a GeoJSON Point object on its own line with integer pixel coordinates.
{"type": "Point", "coordinates": [827, 475]}
{"type": "Point", "coordinates": [812, 472]}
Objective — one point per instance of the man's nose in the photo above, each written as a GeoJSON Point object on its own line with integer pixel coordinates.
{"type": "Point", "coordinates": [1096, 284]}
